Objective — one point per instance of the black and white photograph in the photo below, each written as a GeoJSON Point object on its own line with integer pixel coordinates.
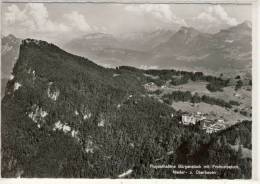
{"type": "Point", "coordinates": [126, 90]}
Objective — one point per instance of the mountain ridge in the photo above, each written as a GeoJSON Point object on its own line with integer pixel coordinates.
{"type": "Point", "coordinates": [186, 47]}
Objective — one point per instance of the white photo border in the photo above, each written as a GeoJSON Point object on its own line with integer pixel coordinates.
{"type": "Point", "coordinates": [255, 97]}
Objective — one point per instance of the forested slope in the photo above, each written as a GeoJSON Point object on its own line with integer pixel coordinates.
{"type": "Point", "coordinates": [65, 116]}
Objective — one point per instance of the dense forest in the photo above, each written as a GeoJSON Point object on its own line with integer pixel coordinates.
{"type": "Point", "coordinates": [186, 96]}
{"type": "Point", "coordinates": [183, 77]}
{"type": "Point", "coordinates": [110, 124]}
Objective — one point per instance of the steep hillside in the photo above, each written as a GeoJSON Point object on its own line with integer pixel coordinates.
{"type": "Point", "coordinates": [145, 41]}
{"type": "Point", "coordinates": [65, 116]}
{"type": "Point", "coordinates": [229, 50]}
{"type": "Point", "coordinates": [185, 42]}
{"type": "Point", "coordinates": [9, 54]}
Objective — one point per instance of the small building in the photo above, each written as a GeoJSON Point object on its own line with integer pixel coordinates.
{"type": "Point", "coordinates": [221, 121]}
{"type": "Point", "coordinates": [209, 130]}
{"type": "Point", "coordinates": [215, 127]}
{"type": "Point", "coordinates": [218, 127]}
{"type": "Point", "coordinates": [188, 119]}
{"type": "Point", "coordinates": [199, 116]}
{"type": "Point", "coordinates": [236, 95]}
{"type": "Point", "coordinates": [163, 86]}
{"type": "Point", "coordinates": [206, 123]}
{"type": "Point", "coordinates": [151, 86]}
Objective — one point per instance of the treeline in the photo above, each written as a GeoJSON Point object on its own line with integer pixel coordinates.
{"type": "Point", "coordinates": [183, 77]}
{"type": "Point", "coordinates": [203, 150]}
{"type": "Point", "coordinates": [216, 85]}
{"type": "Point", "coordinates": [186, 96]}
{"type": "Point", "coordinates": [179, 80]}
{"type": "Point", "coordinates": [240, 133]}
{"type": "Point", "coordinates": [197, 148]}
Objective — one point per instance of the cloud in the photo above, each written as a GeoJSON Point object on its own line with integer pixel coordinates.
{"type": "Point", "coordinates": [38, 13]}
{"type": "Point", "coordinates": [13, 13]}
{"type": "Point", "coordinates": [77, 20]}
{"type": "Point", "coordinates": [216, 14]}
{"type": "Point", "coordinates": [162, 12]}
{"type": "Point", "coordinates": [207, 17]}
{"type": "Point", "coordinates": [34, 20]}
{"type": "Point", "coordinates": [146, 67]}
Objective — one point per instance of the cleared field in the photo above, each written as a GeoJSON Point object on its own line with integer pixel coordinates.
{"type": "Point", "coordinates": [246, 153]}
{"type": "Point", "coordinates": [243, 95]}
{"type": "Point", "coordinates": [213, 111]}
{"type": "Point", "coordinates": [193, 87]}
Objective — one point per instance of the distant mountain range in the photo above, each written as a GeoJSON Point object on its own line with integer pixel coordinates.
{"type": "Point", "coordinates": [188, 48]}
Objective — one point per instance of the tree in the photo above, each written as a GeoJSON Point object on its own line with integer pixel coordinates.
{"type": "Point", "coordinates": [250, 82]}
{"type": "Point", "coordinates": [238, 85]}
{"type": "Point", "coordinates": [239, 152]}
{"type": "Point", "coordinates": [196, 98]}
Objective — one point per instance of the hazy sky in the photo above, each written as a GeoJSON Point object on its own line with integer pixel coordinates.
{"type": "Point", "coordinates": [59, 22]}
